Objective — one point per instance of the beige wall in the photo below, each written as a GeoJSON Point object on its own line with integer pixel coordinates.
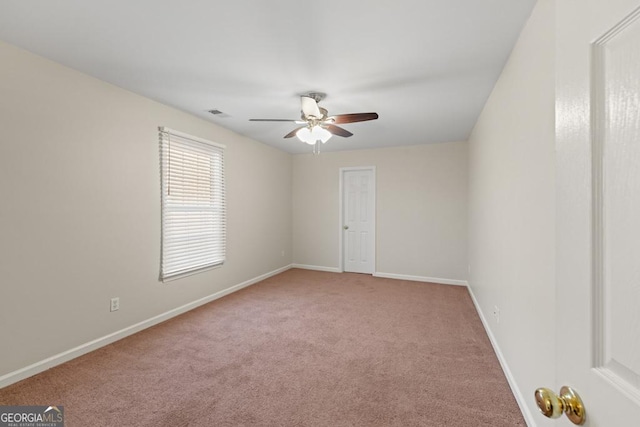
{"type": "Point", "coordinates": [512, 207]}
{"type": "Point", "coordinates": [421, 208]}
{"type": "Point", "coordinates": [80, 215]}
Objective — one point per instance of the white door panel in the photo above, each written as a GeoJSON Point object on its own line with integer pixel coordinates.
{"type": "Point", "coordinates": [358, 220]}
{"type": "Point", "coordinates": [598, 207]}
{"type": "Point", "coordinates": [617, 154]}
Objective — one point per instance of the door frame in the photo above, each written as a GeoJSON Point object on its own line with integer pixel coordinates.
{"type": "Point", "coordinates": [341, 214]}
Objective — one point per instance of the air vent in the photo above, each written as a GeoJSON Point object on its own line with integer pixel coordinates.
{"type": "Point", "coordinates": [218, 113]}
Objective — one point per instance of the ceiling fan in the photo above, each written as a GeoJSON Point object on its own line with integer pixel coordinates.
{"type": "Point", "coordinates": [318, 126]}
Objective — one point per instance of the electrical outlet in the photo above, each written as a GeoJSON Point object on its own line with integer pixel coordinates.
{"type": "Point", "coordinates": [115, 304]}
{"type": "Point", "coordinates": [496, 313]}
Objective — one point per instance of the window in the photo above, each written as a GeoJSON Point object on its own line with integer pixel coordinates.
{"type": "Point", "coordinates": [193, 204]}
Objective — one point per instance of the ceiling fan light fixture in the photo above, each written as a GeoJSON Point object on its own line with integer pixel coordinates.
{"type": "Point", "coordinates": [311, 136]}
{"type": "Point", "coordinates": [304, 135]}
{"type": "Point", "coordinates": [320, 133]}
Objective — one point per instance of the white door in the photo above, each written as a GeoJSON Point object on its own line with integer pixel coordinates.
{"type": "Point", "coordinates": [358, 220]}
{"type": "Point", "coordinates": [598, 207]}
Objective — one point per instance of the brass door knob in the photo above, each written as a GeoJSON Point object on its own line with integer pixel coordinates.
{"type": "Point", "coordinates": [346, 227]}
{"type": "Point", "coordinates": [552, 405]}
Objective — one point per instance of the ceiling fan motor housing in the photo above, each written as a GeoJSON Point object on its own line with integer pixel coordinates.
{"type": "Point", "coordinates": [316, 96]}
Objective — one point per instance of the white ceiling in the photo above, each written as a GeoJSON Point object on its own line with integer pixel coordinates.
{"type": "Point", "coordinates": [425, 66]}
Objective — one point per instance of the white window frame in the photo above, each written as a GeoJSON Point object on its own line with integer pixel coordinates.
{"type": "Point", "coordinates": [193, 204]}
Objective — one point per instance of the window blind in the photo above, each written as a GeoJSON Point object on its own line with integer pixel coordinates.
{"type": "Point", "coordinates": [193, 204]}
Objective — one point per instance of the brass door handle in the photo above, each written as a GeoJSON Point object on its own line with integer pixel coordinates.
{"type": "Point", "coordinates": [346, 227]}
{"type": "Point", "coordinates": [552, 406]}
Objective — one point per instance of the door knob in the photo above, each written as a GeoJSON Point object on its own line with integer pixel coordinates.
{"type": "Point", "coordinates": [346, 227]}
{"type": "Point", "coordinates": [552, 406]}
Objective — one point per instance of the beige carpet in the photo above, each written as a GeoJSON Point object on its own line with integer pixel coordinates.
{"type": "Point", "coordinates": [302, 348]}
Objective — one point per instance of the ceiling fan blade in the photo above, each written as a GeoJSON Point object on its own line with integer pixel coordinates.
{"type": "Point", "coordinates": [337, 130]}
{"type": "Point", "coordinates": [293, 132]}
{"type": "Point", "coordinates": [273, 120]}
{"type": "Point", "coordinates": [310, 107]}
{"type": "Point", "coordinates": [351, 118]}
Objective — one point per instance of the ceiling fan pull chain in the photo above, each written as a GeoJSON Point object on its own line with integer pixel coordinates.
{"type": "Point", "coordinates": [316, 148]}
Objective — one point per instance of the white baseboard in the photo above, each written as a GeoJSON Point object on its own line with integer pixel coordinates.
{"type": "Point", "coordinates": [438, 280]}
{"type": "Point", "coordinates": [43, 365]}
{"type": "Point", "coordinates": [524, 408]}
{"type": "Point", "coordinates": [316, 268]}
